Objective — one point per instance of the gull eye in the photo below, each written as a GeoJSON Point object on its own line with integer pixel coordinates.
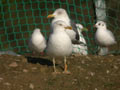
{"type": "Point", "coordinates": [59, 12]}
{"type": "Point", "coordinates": [60, 24]}
{"type": "Point", "coordinates": [99, 24]}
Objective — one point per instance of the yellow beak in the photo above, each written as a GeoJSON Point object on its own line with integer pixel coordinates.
{"type": "Point", "coordinates": [50, 16]}
{"type": "Point", "coordinates": [68, 27]}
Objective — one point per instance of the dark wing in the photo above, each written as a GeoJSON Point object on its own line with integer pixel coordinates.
{"type": "Point", "coordinates": [73, 24]}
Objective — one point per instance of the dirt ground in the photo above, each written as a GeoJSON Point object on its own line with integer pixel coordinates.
{"type": "Point", "coordinates": [36, 73]}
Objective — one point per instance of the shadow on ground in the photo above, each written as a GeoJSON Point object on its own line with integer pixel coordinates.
{"type": "Point", "coordinates": [41, 61]}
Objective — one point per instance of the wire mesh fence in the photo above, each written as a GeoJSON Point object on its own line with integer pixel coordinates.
{"type": "Point", "coordinates": [18, 18]}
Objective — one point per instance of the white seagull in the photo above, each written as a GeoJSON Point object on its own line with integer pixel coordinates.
{"type": "Point", "coordinates": [61, 14]}
{"type": "Point", "coordinates": [103, 36]}
{"type": "Point", "coordinates": [59, 43]}
{"type": "Point", "coordinates": [80, 48]}
{"type": "Point", "coordinates": [37, 41]}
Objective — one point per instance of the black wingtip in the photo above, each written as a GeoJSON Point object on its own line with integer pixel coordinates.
{"type": "Point", "coordinates": [77, 37]}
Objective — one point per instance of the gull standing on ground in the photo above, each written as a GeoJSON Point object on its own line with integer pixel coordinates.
{"type": "Point", "coordinates": [61, 14]}
{"type": "Point", "coordinates": [103, 36]}
{"type": "Point", "coordinates": [80, 48]}
{"type": "Point", "coordinates": [37, 41]}
{"type": "Point", "coordinates": [59, 43]}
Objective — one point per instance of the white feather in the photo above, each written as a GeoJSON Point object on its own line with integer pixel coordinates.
{"type": "Point", "coordinates": [59, 43]}
{"type": "Point", "coordinates": [37, 41]}
{"type": "Point", "coordinates": [103, 36]}
{"type": "Point", "coordinates": [61, 14]}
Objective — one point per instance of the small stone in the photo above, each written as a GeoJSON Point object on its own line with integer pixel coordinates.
{"type": "Point", "coordinates": [101, 61]}
{"type": "Point", "coordinates": [34, 68]}
{"type": "Point", "coordinates": [83, 62]}
{"type": "Point", "coordinates": [13, 64]}
{"type": "Point", "coordinates": [17, 60]}
{"type": "Point", "coordinates": [118, 59]}
{"type": "Point", "coordinates": [31, 86]}
{"type": "Point", "coordinates": [79, 67]}
{"type": "Point", "coordinates": [25, 70]}
{"type": "Point", "coordinates": [86, 77]}
{"type": "Point", "coordinates": [92, 74]}
{"type": "Point", "coordinates": [107, 71]}
{"type": "Point", "coordinates": [7, 84]}
{"type": "Point", "coordinates": [1, 79]}
{"type": "Point", "coordinates": [88, 57]}
{"type": "Point", "coordinates": [96, 89]}
{"type": "Point", "coordinates": [116, 67]}
{"type": "Point", "coordinates": [74, 80]}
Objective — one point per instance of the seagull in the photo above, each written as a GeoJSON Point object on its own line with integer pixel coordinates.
{"type": "Point", "coordinates": [80, 48]}
{"type": "Point", "coordinates": [59, 43]}
{"type": "Point", "coordinates": [37, 41]}
{"type": "Point", "coordinates": [103, 36]}
{"type": "Point", "coordinates": [61, 14]}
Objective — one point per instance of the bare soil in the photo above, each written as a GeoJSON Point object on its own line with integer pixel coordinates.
{"type": "Point", "coordinates": [35, 72]}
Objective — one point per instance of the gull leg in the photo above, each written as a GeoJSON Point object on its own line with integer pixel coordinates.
{"type": "Point", "coordinates": [54, 67]}
{"type": "Point", "coordinates": [54, 64]}
{"type": "Point", "coordinates": [65, 66]}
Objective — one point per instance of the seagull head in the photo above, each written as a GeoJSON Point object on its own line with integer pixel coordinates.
{"type": "Point", "coordinates": [100, 24]}
{"type": "Point", "coordinates": [61, 25]}
{"type": "Point", "coordinates": [37, 30]}
{"type": "Point", "coordinates": [58, 13]}
{"type": "Point", "coordinates": [81, 28]}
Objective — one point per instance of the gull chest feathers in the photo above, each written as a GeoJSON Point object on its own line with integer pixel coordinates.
{"type": "Point", "coordinates": [59, 43]}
